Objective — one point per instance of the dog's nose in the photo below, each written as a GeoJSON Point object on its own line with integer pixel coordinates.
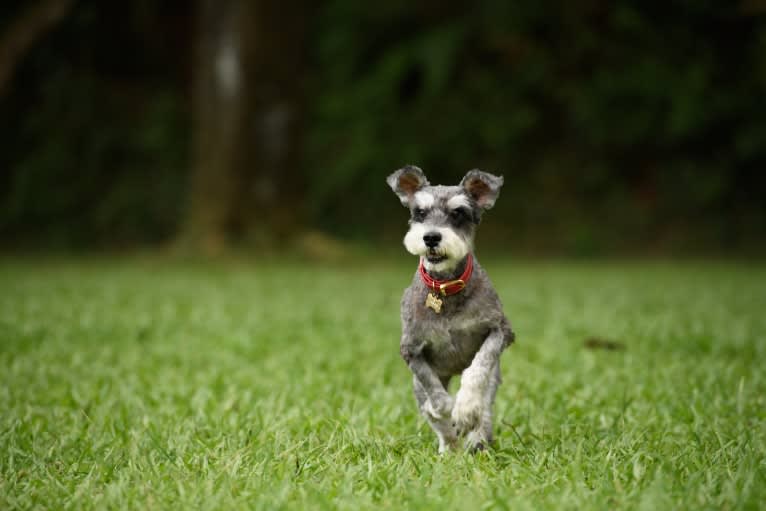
{"type": "Point", "coordinates": [432, 239]}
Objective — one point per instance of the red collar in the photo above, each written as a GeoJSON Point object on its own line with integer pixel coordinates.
{"type": "Point", "coordinates": [447, 287]}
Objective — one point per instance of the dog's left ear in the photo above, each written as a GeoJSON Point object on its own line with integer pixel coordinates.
{"type": "Point", "coordinates": [406, 181]}
{"type": "Point", "coordinates": [482, 187]}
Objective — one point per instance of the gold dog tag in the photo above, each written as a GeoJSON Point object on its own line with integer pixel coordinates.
{"type": "Point", "coordinates": [433, 302]}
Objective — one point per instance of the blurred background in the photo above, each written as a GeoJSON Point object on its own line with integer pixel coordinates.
{"type": "Point", "coordinates": [621, 127]}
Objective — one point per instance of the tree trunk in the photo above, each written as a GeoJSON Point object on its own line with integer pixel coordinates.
{"type": "Point", "coordinates": [248, 122]}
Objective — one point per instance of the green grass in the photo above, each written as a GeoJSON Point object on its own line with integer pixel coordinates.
{"type": "Point", "coordinates": [152, 385]}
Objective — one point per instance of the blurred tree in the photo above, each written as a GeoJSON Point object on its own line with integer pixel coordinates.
{"type": "Point", "coordinates": [619, 125]}
{"type": "Point", "coordinates": [32, 23]}
{"type": "Point", "coordinates": [248, 123]}
{"type": "Point", "coordinates": [93, 136]}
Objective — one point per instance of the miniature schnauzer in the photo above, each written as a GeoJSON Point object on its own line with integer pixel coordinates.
{"type": "Point", "coordinates": [452, 318]}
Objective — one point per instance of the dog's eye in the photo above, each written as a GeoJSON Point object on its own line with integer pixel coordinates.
{"type": "Point", "coordinates": [419, 214]}
{"type": "Point", "coordinates": [457, 215]}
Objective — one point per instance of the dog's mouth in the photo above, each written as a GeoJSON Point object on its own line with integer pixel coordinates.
{"type": "Point", "coordinates": [435, 257]}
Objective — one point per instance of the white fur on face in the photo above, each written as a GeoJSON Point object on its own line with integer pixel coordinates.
{"type": "Point", "coordinates": [452, 246]}
{"type": "Point", "coordinates": [459, 201]}
{"type": "Point", "coordinates": [424, 200]}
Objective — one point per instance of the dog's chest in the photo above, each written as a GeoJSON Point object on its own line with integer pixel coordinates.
{"type": "Point", "coordinates": [450, 341]}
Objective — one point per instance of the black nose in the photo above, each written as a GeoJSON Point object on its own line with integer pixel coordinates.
{"type": "Point", "coordinates": [432, 239]}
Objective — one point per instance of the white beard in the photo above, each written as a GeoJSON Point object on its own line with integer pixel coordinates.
{"type": "Point", "coordinates": [452, 246]}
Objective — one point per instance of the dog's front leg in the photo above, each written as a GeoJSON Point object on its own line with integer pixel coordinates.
{"type": "Point", "coordinates": [443, 428]}
{"type": "Point", "coordinates": [438, 402]}
{"type": "Point", "coordinates": [477, 382]}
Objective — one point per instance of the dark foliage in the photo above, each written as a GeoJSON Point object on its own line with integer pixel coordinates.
{"type": "Point", "coordinates": [618, 125]}
{"type": "Point", "coordinates": [95, 132]}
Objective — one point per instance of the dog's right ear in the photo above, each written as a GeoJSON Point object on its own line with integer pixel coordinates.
{"type": "Point", "coordinates": [406, 181]}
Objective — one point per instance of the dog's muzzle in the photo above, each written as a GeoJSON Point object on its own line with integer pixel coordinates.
{"type": "Point", "coordinates": [432, 239]}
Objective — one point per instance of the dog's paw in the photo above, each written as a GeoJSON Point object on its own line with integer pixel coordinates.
{"type": "Point", "coordinates": [440, 407]}
{"type": "Point", "coordinates": [447, 445]}
{"type": "Point", "coordinates": [466, 413]}
{"type": "Point", "coordinates": [476, 441]}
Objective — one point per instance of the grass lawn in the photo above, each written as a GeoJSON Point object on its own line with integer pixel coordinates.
{"type": "Point", "coordinates": [153, 385]}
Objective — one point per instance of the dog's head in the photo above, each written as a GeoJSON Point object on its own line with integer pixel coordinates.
{"type": "Point", "coordinates": [444, 218]}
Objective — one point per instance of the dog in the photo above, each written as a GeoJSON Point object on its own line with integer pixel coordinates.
{"type": "Point", "coordinates": [452, 319]}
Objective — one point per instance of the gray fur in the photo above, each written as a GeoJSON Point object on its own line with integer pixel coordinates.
{"type": "Point", "coordinates": [469, 334]}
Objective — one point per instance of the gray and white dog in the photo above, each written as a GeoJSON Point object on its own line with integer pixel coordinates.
{"type": "Point", "coordinates": [452, 318]}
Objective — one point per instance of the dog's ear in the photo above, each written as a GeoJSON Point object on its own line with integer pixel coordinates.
{"type": "Point", "coordinates": [482, 187]}
{"type": "Point", "coordinates": [406, 181]}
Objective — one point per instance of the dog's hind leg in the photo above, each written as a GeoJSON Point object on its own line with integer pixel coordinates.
{"type": "Point", "coordinates": [442, 426]}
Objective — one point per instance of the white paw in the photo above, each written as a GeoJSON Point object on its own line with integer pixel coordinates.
{"type": "Point", "coordinates": [469, 401]}
{"type": "Point", "coordinates": [466, 413]}
{"type": "Point", "coordinates": [476, 441]}
{"type": "Point", "coordinates": [440, 407]}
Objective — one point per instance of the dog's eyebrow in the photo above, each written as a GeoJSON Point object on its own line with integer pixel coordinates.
{"type": "Point", "coordinates": [424, 200]}
{"type": "Point", "coordinates": [458, 201]}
